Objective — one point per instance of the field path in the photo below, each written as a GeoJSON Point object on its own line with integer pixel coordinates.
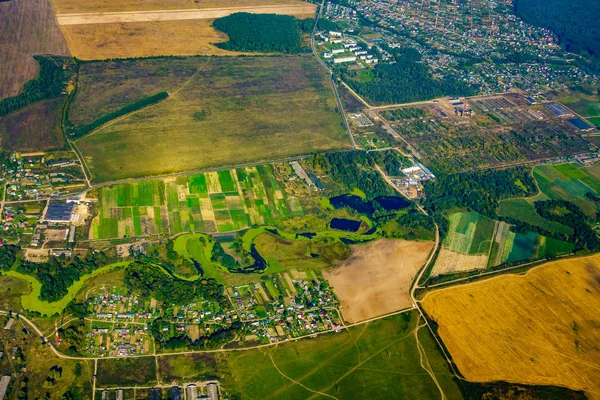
{"type": "Point", "coordinates": [178, 15]}
{"type": "Point", "coordinates": [425, 362]}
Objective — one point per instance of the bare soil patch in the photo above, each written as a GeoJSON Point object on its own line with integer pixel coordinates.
{"type": "Point", "coordinates": [27, 27]}
{"type": "Point", "coordinates": [376, 279]}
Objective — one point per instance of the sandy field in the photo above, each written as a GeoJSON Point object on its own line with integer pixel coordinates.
{"type": "Point", "coordinates": [449, 261]}
{"type": "Point", "coordinates": [144, 39]}
{"type": "Point", "coordinates": [542, 328]}
{"type": "Point", "coordinates": [301, 10]}
{"type": "Point", "coordinates": [94, 6]}
{"type": "Point", "coordinates": [376, 279]}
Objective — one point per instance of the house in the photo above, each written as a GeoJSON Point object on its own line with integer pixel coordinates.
{"type": "Point", "coordinates": [346, 59]}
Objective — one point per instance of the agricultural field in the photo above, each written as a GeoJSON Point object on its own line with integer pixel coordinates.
{"type": "Point", "coordinates": [467, 244]}
{"type": "Point", "coordinates": [222, 201]}
{"type": "Point", "coordinates": [243, 109]}
{"type": "Point", "coordinates": [384, 270]}
{"type": "Point", "coordinates": [484, 132]}
{"type": "Point", "coordinates": [583, 104]}
{"type": "Point", "coordinates": [27, 27]}
{"type": "Point", "coordinates": [524, 210]}
{"type": "Point", "coordinates": [115, 372]}
{"type": "Point", "coordinates": [569, 182]}
{"type": "Point", "coordinates": [99, 29]}
{"type": "Point", "coordinates": [540, 328]}
{"type": "Point", "coordinates": [33, 128]}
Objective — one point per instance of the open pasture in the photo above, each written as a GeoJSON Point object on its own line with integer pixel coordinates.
{"type": "Point", "coordinates": [384, 269]}
{"type": "Point", "coordinates": [569, 182]}
{"type": "Point", "coordinates": [221, 201]}
{"type": "Point", "coordinates": [33, 128]}
{"type": "Point", "coordinates": [243, 109]}
{"type": "Point", "coordinates": [27, 27]}
{"type": "Point", "coordinates": [524, 210]}
{"type": "Point", "coordinates": [540, 328]}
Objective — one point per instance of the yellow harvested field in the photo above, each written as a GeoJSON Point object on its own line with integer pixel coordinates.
{"type": "Point", "coordinates": [301, 10]}
{"type": "Point", "coordinates": [449, 261]}
{"type": "Point", "coordinates": [95, 6]}
{"type": "Point", "coordinates": [376, 279]}
{"type": "Point", "coordinates": [542, 328]}
{"type": "Point", "coordinates": [144, 39]}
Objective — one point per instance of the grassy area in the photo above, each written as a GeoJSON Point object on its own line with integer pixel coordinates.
{"type": "Point", "coordinates": [32, 302]}
{"type": "Point", "coordinates": [569, 182]}
{"type": "Point", "coordinates": [223, 201]}
{"type": "Point", "coordinates": [114, 372]}
{"type": "Point", "coordinates": [244, 110]}
{"type": "Point", "coordinates": [584, 105]}
{"type": "Point", "coordinates": [469, 233]}
{"type": "Point", "coordinates": [524, 210]}
{"type": "Point", "coordinates": [595, 121]}
{"type": "Point", "coordinates": [11, 290]}
{"type": "Point", "coordinates": [184, 368]}
{"type": "Point", "coordinates": [378, 360]}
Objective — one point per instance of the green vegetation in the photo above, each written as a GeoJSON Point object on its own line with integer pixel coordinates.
{"type": "Point", "coordinates": [55, 73]}
{"type": "Point", "coordinates": [523, 210]}
{"type": "Point", "coordinates": [405, 81]}
{"type": "Point", "coordinates": [260, 32]}
{"type": "Point", "coordinates": [76, 132]}
{"type": "Point", "coordinates": [251, 109]}
{"type": "Point", "coordinates": [126, 372]}
{"type": "Point", "coordinates": [223, 201]}
{"type": "Point", "coordinates": [469, 233]}
{"type": "Point", "coordinates": [404, 113]}
{"type": "Point", "coordinates": [574, 21]}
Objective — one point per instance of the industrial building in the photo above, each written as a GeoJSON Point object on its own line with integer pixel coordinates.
{"type": "Point", "coordinates": [4, 382]}
{"type": "Point", "coordinates": [59, 212]}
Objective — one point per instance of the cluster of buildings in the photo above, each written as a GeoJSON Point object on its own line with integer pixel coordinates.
{"type": "Point", "coordinates": [410, 184]}
{"type": "Point", "coordinates": [344, 49]}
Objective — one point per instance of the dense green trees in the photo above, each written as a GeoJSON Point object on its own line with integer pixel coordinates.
{"type": "Point", "coordinates": [260, 32]}
{"type": "Point", "coordinates": [8, 256]}
{"type": "Point", "coordinates": [405, 81]}
{"type": "Point", "coordinates": [219, 256]}
{"type": "Point", "coordinates": [574, 21]}
{"type": "Point", "coordinates": [52, 81]}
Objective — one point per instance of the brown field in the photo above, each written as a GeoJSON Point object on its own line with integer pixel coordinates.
{"type": "Point", "coordinates": [542, 328]}
{"type": "Point", "coordinates": [449, 261]}
{"type": "Point", "coordinates": [144, 39]}
{"type": "Point", "coordinates": [89, 6]}
{"type": "Point", "coordinates": [27, 27]}
{"type": "Point", "coordinates": [376, 279]}
{"type": "Point", "coordinates": [35, 127]}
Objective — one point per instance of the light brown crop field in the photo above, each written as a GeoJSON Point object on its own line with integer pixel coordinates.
{"type": "Point", "coordinates": [542, 328]}
{"type": "Point", "coordinates": [27, 27]}
{"type": "Point", "coordinates": [91, 6]}
{"type": "Point", "coordinates": [376, 279]}
{"type": "Point", "coordinates": [145, 39]}
{"type": "Point", "coordinates": [231, 111]}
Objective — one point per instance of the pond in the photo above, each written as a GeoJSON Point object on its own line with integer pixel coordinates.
{"type": "Point", "coordinates": [392, 203]}
{"type": "Point", "coordinates": [343, 224]}
{"type": "Point", "coordinates": [354, 202]}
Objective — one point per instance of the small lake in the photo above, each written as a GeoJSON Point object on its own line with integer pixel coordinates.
{"type": "Point", "coordinates": [392, 203]}
{"type": "Point", "coordinates": [343, 224]}
{"type": "Point", "coordinates": [354, 202]}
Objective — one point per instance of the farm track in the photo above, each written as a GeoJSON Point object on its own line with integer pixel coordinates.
{"type": "Point", "coordinates": [178, 15]}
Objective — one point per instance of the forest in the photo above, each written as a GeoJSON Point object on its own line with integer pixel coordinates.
{"type": "Point", "coordinates": [52, 82]}
{"type": "Point", "coordinates": [575, 22]}
{"type": "Point", "coordinates": [260, 32]}
{"type": "Point", "coordinates": [407, 80]}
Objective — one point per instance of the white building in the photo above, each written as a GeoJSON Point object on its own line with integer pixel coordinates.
{"type": "Point", "coordinates": [346, 59]}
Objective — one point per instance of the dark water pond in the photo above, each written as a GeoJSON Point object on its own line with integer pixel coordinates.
{"type": "Point", "coordinates": [354, 202]}
{"type": "Point", "coordinates": [343, 224]}
{"type": "Point", "coordinates": [392, 203]}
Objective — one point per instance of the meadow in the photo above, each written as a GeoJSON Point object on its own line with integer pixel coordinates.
{"type": "Point", "coordinates": [221, 201]}
{"type": "Point", "coordinates": [33, 128]}
{"type": "Point", "coordinates": [126, 372]}
{"type": "Point", "coordinates": [378, 360]}
{"type": "Point", "coordinates": [27, 27]}
{"type": "Point", "coordinates": [540, 328]}
{"type": "Point", "coordinates": [244, 110]}
{"type": "Point", "coordinates": [524, 210]}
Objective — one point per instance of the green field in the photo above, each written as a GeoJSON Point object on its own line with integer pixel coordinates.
{"type": "Point", "coordinates": [229, 111]}
{"type": "Point", "coordinates": [584, 105]}
{"type": "Point", "coordinates": [524, 210]}
{"type": "Point", "coordinates": [569, 182]}
{"type": "Point", "coordinates": [594, 121]}
{"type": "Point", "coordinates": [469, 233]}
{"type": "Point", "coordinates": [378, 360]}
{"type": "Point", "coordinates": [223, 201]}
{"type": "Point", "coordinates": [126, 372]}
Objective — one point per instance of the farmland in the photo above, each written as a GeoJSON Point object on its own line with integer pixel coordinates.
{"type": "Point", "coordinates": [540, 328]}
{"type": "Point", "coordinates": [477, 242]}
{"type": "Point", "coordinates": [33, 128]}
{"type": "Point", "coordinates": [244, 109]}
{"type": "Point", "coordinates": [223, 201]}
{"type": "Point", "coordinates": [27, 27]}
{"type": "Point", "coordinates": [524, 210]}
{"type": "Point", "coordinates": [483, 132]}
{"type": "Point", "coordinates": [385, 270]}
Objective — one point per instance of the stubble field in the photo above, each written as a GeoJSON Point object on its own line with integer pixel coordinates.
{"type": "Point", "coordinates": [229, 112]}
{"type": "Point", "coordinates": [376, 279]}
{"type": "Point", "coordinates": [540, 328]}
